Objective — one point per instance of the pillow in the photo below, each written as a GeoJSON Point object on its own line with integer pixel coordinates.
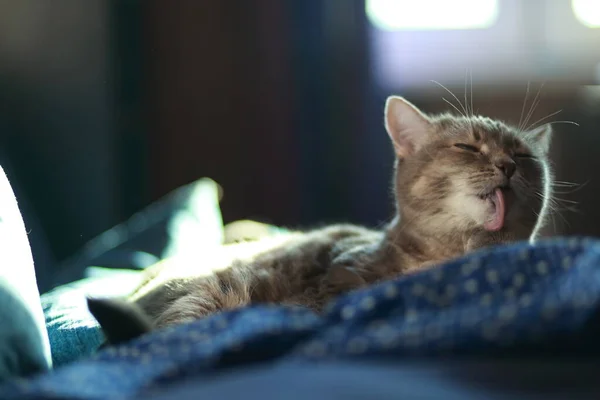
{"type": "Point", "coordinates": [24, 345]}
{"type": "Point", "coordinates": [181, 223]}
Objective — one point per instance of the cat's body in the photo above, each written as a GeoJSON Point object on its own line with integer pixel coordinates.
{"type": "Point", "coordinates": [461, 183]}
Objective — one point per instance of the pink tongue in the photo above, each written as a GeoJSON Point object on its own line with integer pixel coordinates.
{"type": "Point", "coordinates": [496, 222]}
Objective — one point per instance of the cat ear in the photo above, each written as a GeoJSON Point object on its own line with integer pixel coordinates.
{"type": "Point", "coordinates": [540, 137]}
{"type": "Point", "coordinates": [406, 124]}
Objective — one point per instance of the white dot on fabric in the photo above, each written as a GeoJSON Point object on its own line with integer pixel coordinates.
{"type": "Point", "coordinates": [525, 300]}
{"type": "Point", "coordinates": [146, 359]}
{"type": "Point", "coordinates": [198, 336]}
{"type": "Point", "coordinates": [390, 342]}
{"type": "Point", "coordinates": [221, 323]}
{"type": "Point", "coordinates": [470, 267]}
{"type": "Point", "coordinates": [437, 275]}
{"type": "Point", "coordinates": [411, 315]}
{"type": "Point", "coordinates": [465, 269]}
{"type": "Point", "coordinates": [524, 255]}
{"type": "Point", "coordinates": [348, 312]}
{"type": "Point", "coordinates": [567, 262]}
{"type": "Point", "coordinates": [518, 280]}
{"type": "Point", "coordinates": [358, 345]}
{"type": "Point", "coordinates": [450, 291]}
{"type": "Point", "coordinates": [315, 349]}
{"type": "Point", "coordinates": [185, 349]}
{"type": "Point", "coordinates": [573, 244]}
{"type": "Point", "coordinates": [471, 286]}
{"type": "Point", "coordinates": [158, 350]}
{"type": "Point", "coordinates": [384, 331]}
{"type": "Point", "coordinates": [542, 267]}
{"type": "Point", "coordinates": [417, 289]}
{"type": "Point", "coordinates": [377, 324]}
{"type": "Point", "coordinates": [507, 313]}
{"type": "Point", "coordinates": [491, 276]}
{"type": "Point", "coordinates": [390, 292]}
{"type": "Point", "coordinates": [486, 300]}
{"type": "Point", "coordinates": [368, 303]}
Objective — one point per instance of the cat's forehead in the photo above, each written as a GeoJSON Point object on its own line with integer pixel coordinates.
{"type": "Point", "coordinates": [481, 129]}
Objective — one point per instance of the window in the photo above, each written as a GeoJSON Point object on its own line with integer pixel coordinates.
{"type": "Point", "coordinates": [431, 14]}
{"type": "Point", "coordinates": [587, 12]}
{"type": "Point", "coordinates": [500, 41]}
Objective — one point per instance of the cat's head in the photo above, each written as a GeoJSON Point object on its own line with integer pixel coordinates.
{"type": "Point", "coordinates": [462, 174]}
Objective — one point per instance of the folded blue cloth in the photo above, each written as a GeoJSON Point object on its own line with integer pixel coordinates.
{"type": "Point", "coordinates": [513, 298]}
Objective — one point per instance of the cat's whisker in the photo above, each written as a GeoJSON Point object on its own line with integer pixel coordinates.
{"type": "Point", "coordinates": [519, 127]}
{"type": "Point", "coordinates": [465, 93]}
{"type": "Point", "coordinates": [533, 125]}
{"type": "Point", "coordinates": [454, 96]}
{"type": "Point", "coordinates": [561, 122]}
{"type": "Point", "coordinates": [469, 110]}
{"type": "Point", "coordinates": [567, 183]}
{"type": "Point", "coordinates": [534, 105]}
{"type": "Point", "coordinates": [453, 106]}
{"type": "Point", "coordinates": [471, 79]}
{"type": "Point", "coordinates": [575, 187]}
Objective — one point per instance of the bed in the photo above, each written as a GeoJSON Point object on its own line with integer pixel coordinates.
{"type": "Point", "coordinates": [517, 321]}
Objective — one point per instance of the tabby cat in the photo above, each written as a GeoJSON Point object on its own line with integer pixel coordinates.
{"type": "Point", "coordinates": [461, 182]}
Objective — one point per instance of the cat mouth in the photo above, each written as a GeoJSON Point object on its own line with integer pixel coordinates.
{"type": "Point", "coordinates": [497, 204]}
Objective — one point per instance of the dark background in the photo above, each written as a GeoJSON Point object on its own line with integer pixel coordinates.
{"type": "Point", "coordinates": [105, 106]}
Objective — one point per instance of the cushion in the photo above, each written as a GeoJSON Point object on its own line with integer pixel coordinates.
{"type": "Point", "coordinates": [183, 224]}
{"type": "Point", "coordinates": [24, 345]}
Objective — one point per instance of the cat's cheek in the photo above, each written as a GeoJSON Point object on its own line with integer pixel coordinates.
{"type": "Point", "coordinates": [471, 208]}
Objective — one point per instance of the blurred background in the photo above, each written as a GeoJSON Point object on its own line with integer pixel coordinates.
{"type": "Point", "coordinates": [106, 106]}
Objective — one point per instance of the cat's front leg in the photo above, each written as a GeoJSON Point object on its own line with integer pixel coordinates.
{"type": "Point", "coordinates": [224, 290]}
{"type": "Point", "coordinates": [347, 270]}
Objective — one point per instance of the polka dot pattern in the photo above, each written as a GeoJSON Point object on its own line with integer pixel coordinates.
{"type": "Point", "coordinates": [503, 298]}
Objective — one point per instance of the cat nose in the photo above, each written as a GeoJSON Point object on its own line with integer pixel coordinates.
{"type": "Point", "coordinates": [507, 166]}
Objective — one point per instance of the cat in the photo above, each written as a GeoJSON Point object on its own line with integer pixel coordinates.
{"type": "Point", "coordinates": [460, 183]}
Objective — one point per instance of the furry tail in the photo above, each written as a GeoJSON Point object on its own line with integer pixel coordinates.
{"type": "Point", "coordinates": [120, 320]}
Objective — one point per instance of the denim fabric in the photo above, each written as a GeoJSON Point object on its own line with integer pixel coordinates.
{"type": "Point", "coordinates": [73, 331]}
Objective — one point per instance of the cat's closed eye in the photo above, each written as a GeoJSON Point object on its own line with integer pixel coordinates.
{"type": "Point", "coordinates": [467, 147]}
{"type": "Point", "coordinates": [523, 155]}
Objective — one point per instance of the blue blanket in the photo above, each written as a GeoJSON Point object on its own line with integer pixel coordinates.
{"type": "Point", "coordinates": [511, 299]}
